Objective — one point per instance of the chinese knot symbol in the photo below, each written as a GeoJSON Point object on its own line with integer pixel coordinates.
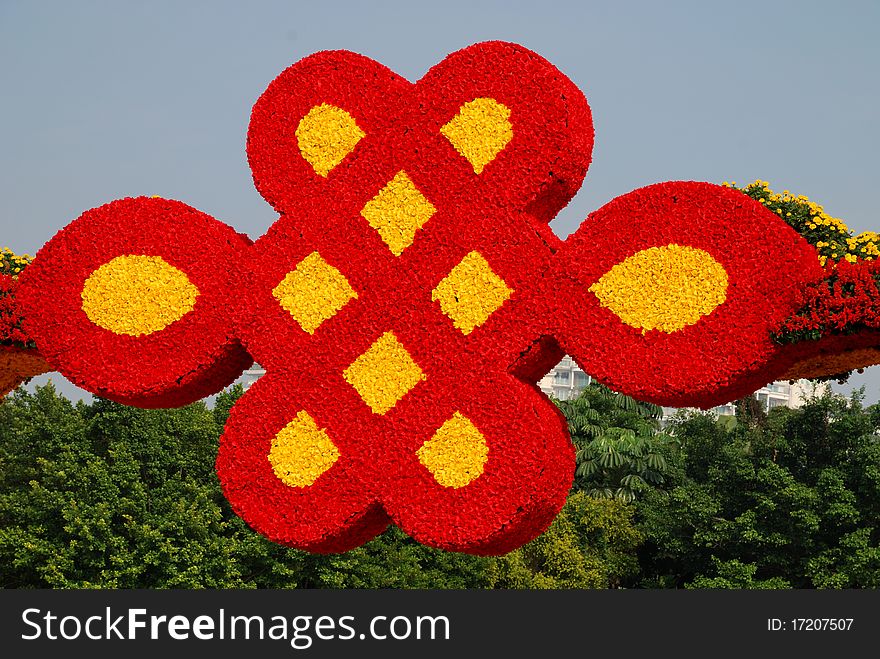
{"type": "Point", "coordinates": [409, 297]}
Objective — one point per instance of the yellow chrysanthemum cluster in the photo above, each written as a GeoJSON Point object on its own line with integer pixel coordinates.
{"type": "Point", "coordinates": [457, 452]}
{"type": "Point", "coordinates": [384, 374]}
{"type": "Point", "coordinates": [397, 212]}
{"type": "Point", "coordinates": [829, 235]}
{"type": "Point", "coordinates": [663, 288]}
{"type": "Point", "coordinates": [326, 135]}
{"type": "Point", "coordinates": [11, 263]}
{"type": "Point", "coordinates": [313, 292]}
{"type": "Point", "coordinates": [135, 295]}
{"type": "Point", "coordinates": [480, 131]}
{"type": "Point", "coordinates": [471, 292]}
{"type": "Point", "coordinates": [302, 451]}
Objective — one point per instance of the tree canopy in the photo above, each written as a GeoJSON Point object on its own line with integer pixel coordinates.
{"type": "Point", "coordinates": [792, 501]}
{"type": "Point", "coordinates": [100, 495]}
{"type": "Point", "coordinates": [620, 449]}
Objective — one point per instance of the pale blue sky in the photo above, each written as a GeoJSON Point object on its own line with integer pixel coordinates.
{"type": "Point", "coordinates": [102, 100]}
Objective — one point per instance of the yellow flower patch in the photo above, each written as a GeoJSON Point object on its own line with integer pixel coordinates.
{"type": "Point", "coordinates": [137, 295]}
{"type": "Point", "coordinates": [397, 212]}
{"type": "Point", "coordinates": [313, 292]}
{"type": "Point", "coordinates": [829, 235]}
{"type": "Point", "coordinates": [384, 373]}
{"type": "Point", "coordinates": [325, 136]}
{"type": "Point", "coordinates": [479, 131]}
{"type": "Point", "coordinates": [663, 288]}
{"type": "Point", "coordinates": [301, 452]}
{"type": "Point", "coordinates": [12, 263]}
{"type": "Point", "coordinates": [456, 454]}
{"type": "Point", "coordinates": [470, 293]}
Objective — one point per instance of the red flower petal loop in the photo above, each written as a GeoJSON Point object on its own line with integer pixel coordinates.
{"type": "Point", "coordinates": [338, 511]}
{"type": "Point", "coordinates": [382, 124]}
{"type": "Point", "coordinates": [513, 497]}
{"type": "Point", "coordinates": [117, 256]}
{"type": "Point", "coordinates": [723, 355]}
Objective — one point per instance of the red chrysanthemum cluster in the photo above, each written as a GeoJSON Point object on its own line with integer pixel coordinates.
{"type": "Point", "coordinates": [844, 301]}
{"type": "Point", "coordinates": [191, 358]}
{"type": "Point", "coordinates": [836, 328]}
{"type": "Point", "coordinates": [19, 358]}
{"type": "Point", "coordinates": [11, 332]}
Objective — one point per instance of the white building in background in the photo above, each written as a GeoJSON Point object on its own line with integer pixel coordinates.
{"type": "Point", "coordinates": [251, 375]}
{"type": "Point", "coordinates": [566, 380]}
{"type": "Point", "coordinates": [777, 394]}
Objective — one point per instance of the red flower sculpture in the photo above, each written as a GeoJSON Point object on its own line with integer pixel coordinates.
{"type": "Point", "coordinates": [410, 296]}
{"type": "Point", "coordinates": [131, 302]}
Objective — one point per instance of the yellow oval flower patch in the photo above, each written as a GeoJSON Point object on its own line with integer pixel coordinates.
{"type": "Point", "coordinates": [663, 288]}
{"type": "Point", "coordinates": [137, 295]}
{"type": "Point", "coordinates": [457, 452]}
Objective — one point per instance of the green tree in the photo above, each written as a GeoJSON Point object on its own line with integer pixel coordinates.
{"type": "Point", "coordinates": [792, 502]}
{"type": "Point", "coordinates": [733, 574]}
{"type": "Point", "coordinates": [591, 544]}
{"type": "Point", "coordinates": [102, 495]}
{"type": "Point", "coordinates": [750, 411]}
{"type": "Point", "coordinates": [620, 449]}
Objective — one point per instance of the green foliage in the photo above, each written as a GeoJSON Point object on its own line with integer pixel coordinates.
{"type": "Point", "coordinates": [620, 451]}
{"type": "Point", "coordinates": [106, 496]}
{"type": "Point", "coordinates": [591, 544]}
{"type": "Point", "coordinates": [736, 575]}
{"type": "Point", "coordinates": [750, 412]}
{"type": "Point", "coordinates": [792, 502]}
{"type": "Point", "coordinates": [223, 404]}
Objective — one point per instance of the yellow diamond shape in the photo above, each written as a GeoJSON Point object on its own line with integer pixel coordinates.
{"type": "Point", "coordinates": [456, 453]}
{"type": "Point", "coordinates": [313, 292]}
{"type": "Point", "coordinates": [397, 212]}
{"type": "Point", "coordinates": [301, 452]}
{"type": "Point", "coordinates": [384, 373]}
{"type": "Point", "coordinates": [325, 136]}
{"type": "Point", "coordinates": [479, 131]}
{"type": "Point", "coordinates": [470, 293]}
